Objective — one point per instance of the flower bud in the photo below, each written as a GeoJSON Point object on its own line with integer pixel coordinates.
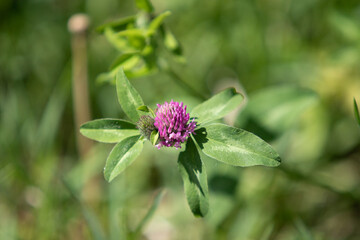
{"type": "Point", "coordinates": [146, 126]}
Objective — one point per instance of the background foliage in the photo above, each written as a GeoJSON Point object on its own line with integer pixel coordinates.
{"type": "Point", "coordinates": [297, 63]}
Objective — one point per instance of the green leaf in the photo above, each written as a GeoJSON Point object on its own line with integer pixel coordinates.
{"type": "Point", "coordinates": [154, 137]}
{"type": "Point", "coordinates": [170, 41]}
{"type": "Point", "coordinates": [130, 71]}
{"type": "Point", "coordinates": [107, 77]}
{"type": "Point", "coordinates": [143, 108]}
{"type": "Point", "coordinates": [108, 130]}
{"type": "Point", "coordinates": [356, 110]}
{"type": "Point", "coordinates": [194, 176]}
{"type": "Point", "coordinates": [127, 60]}
{"type": "Point", "coordinates": [132, 63]}
{"type": "Point", "coordinates": [144, 5]}
{"type": "Point", "coordinates": [172, 44]}
{"type": "Point", "coordinates": [128, 97]}
{"type": "Point", "coordinates": [120, 43]}
{"type": "Point", "coordinates": [121, 23]}
{"type": "Point", "coordinates": [156, 23]}
{"type": "Point", "coordinates": [144, 70]}
{"type": "Point", "coordinates": [132, 32]}
{"type": "Point", "coordinates": [146, 109]}
{"type": "Point", "coordinates": [218, 106]}
{"type": "Point", "coordinates": [235, 146]}
{"type": "Point", "coordinates": [121, 156]}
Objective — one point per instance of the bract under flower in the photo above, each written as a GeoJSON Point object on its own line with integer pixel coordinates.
{"type": "Point", "coordinates": [173, 124]}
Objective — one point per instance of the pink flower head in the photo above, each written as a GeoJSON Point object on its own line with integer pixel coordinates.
{"type": "Point", "coordinates": [171, 120]}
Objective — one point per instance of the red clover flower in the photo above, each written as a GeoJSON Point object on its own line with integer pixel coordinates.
{"type": "Point", "coordinates": [171, 120]}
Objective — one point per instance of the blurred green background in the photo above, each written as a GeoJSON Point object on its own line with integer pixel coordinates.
{"type": "Point", "coordinates": [296, 61]}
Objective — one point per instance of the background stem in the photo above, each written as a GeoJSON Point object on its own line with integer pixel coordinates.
{"type": "Point", "coordinates": [78, 25]}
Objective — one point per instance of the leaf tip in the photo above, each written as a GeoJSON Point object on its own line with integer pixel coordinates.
{"type": "Point", "coordinates": [167, 13]}
{"type": "Point", "coordinates": [82, 128]}
{"type": "Point", "coordinates": [278, 161]}
{"type": "Point", "coordinates": [355, 104]}
{"type": "Point", "coordinates": [201, 213]}
{"type": "Point", "coordinates": [108, 177]}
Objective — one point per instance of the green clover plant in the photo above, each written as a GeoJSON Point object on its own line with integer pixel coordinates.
{"type": "Point", "coordinates": [135, 38]}
{"type": "Point", "coordinates": [145, 45]}
{"type": "Point", "coordinates": [170, 126]}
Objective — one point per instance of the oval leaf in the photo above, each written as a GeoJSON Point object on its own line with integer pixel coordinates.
{"type": "Point", "coordinates": [235, 146]}
{"type": "Point", "coordinates": [194, 176]}
{"type": "Point", "coordinates": [218, 106]}
{"type": "Point", "coordinates": [121, 156]}
{"type": "Point", "coordinates": [128, 97]}
{"type": "Point", "coordinates": [108, 130]}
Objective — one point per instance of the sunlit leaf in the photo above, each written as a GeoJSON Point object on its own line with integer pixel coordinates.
{"type": "Point", "coordinates": [120, 43]}
{"type": "Point", "coordinates": [143, 108]}
{"type": "Point", "coordinates": [133, 32]}
{"type": "Point", "coordinates": [134, 37]}
{"type": "Point", "coordinates": [173, 45]}
{"type": "Point", "coordinates": [154, 137]}
{"type": "Point", "coordinates": [106, 77]}
{"type": "Point", "coordinates": [235, 146]}
{"type": "Point", "coordinates": [108, 130]}
{"type": "Point", "coordinates": [126, 60]}
{"type": "Point", "coordinates": [156, 23]}
{"type": "Point", "coordinates": [144, 70]}
{"type": "Point", "coordinates": [218, 106]}
{"type": "Point", "coordinates": [144, 5]}
{"type": "Point", "coordinates": [121, 156]}
{"type": "Point", "coordinates": [134, 66]}
{"type": "Point", "coordinates": [128, 97]}
{"type": "Point", "coordinates": [121, 23]}
{"type": "Point", "coordinates": [194, 177]}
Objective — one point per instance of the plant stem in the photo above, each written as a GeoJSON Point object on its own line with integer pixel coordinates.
{"type": "Point", "coordinates": [178, 80]}
{"type": "Point", "coordinates": [78, 25]}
